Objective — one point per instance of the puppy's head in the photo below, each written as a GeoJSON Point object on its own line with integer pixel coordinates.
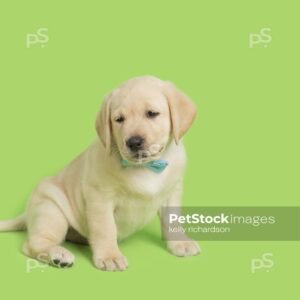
{"type": "Point", "coordinates": [140, 117]}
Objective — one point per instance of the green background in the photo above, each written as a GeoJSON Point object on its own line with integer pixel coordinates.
{"type": "Point", "coordinates": [242, 150]}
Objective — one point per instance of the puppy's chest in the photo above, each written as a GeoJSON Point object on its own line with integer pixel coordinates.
{"type": "Point", "coordinates": [133, 212]}
{"type": "Point", "coordinates": [139, 199]}
{"type": "Point", "coordinates": [146, 183]}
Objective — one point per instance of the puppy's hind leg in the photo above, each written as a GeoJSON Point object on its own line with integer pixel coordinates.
{"type": "Point", "coordinates": [47, 229]}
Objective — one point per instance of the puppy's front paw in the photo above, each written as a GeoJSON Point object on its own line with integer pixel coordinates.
{"type": "Point", "coordinates": [111, 262]}
{"type": "Point", "coordinates": [183, 248]}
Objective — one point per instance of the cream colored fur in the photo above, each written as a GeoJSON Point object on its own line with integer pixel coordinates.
{"type": "Point", "coordinates": [95, 198]}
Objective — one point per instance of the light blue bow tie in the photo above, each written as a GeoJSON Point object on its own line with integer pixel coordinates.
{"type": "Point", "coordinates": [156, 166]}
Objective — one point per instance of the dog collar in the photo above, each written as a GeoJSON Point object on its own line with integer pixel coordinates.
{"type": "Point", "coordinates": [156, 166]}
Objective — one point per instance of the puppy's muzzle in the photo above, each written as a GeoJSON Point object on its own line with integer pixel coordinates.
{"type": "Point", "coordinates": [135, 143]}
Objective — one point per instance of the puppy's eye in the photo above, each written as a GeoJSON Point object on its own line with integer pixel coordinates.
{"type": "Point", "coordinates": [120, 119]}
{"type": "Point", "coordinates": [152, 114]}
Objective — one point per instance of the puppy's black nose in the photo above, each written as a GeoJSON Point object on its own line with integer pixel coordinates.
{"type": "Point", "coordinates": [135, 143]}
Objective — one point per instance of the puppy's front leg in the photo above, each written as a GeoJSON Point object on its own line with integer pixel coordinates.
{"type": "Point", "coordinates": [183, 245]}
{"type": "Point", "coordinates": [103, 236]}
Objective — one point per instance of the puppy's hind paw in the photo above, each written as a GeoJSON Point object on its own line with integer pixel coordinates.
{"type": "Point", "coordinates": [61, 257]}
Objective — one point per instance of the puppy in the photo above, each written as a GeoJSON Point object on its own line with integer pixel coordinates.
{"type": "Point", "coordinates": [119, 183]}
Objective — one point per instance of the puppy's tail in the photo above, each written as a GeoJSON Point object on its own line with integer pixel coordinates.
{"type": "Point", "coordinates": [19, 223]}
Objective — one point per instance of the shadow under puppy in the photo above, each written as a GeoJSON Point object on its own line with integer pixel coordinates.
{"type": "Point", "coordinates": [119, 183]}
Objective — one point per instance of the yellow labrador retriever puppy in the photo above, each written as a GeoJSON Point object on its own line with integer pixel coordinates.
{"type": "Point", "coordinates": [119, 183]}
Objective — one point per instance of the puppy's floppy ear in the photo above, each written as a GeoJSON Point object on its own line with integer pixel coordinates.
{"type": "Point", "coordinates": [103, 124]}
{"type": "Point", "coordinates": [182, 110]}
